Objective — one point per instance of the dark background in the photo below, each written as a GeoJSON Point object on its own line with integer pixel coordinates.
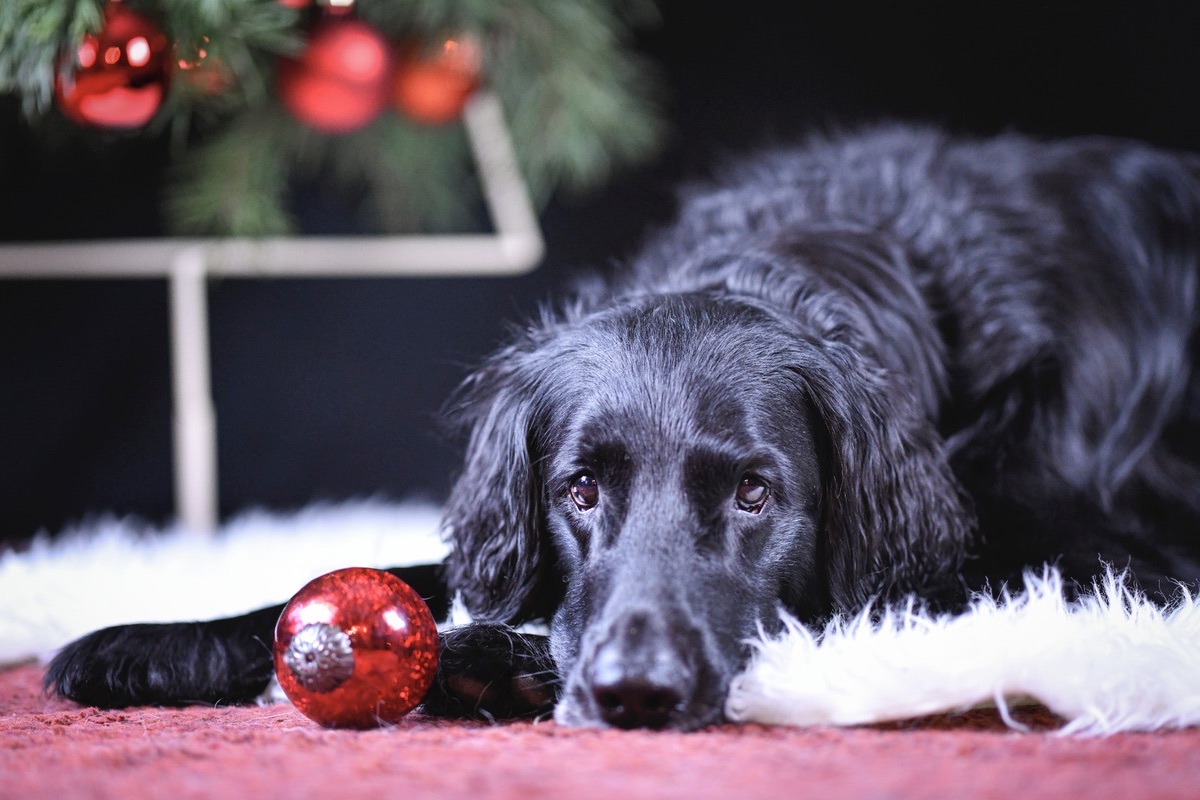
{"type": "Point", "coordinates": [329, 389]}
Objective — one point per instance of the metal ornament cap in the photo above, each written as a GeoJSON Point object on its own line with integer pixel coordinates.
{"type": "Point", "coordinates": [320, 657]}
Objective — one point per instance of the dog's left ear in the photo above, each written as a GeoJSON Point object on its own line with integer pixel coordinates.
{"type": "Point", "coordinates": [494, 516]}
{"type": "Point", "coordinates": [896, 520]}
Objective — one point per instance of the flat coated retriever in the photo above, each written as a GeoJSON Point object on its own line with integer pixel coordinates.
{"type": "Point", "coordinates": [880, 365]}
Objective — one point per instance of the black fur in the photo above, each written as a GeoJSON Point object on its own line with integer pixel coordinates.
{"type": "Point", "coordinates": [945, 362]}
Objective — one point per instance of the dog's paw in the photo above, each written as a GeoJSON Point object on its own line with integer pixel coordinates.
{"type": "Point", "coordinates": [173, 664]}
{"type": "Point", "coordinates": [492, 672]}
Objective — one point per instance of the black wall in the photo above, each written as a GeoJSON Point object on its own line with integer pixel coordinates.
{"type": "Point", "coordinates": [329, 389]}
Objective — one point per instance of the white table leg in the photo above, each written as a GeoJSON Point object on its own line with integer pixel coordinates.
{"type": "Point", "coordinates": [195, 450]}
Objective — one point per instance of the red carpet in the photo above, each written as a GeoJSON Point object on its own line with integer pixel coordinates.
{"type": "Point", "coordinates": [53, 748]}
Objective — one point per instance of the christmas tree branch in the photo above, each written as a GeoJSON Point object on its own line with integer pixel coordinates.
{"type": "Point", "coordinates": [33, 35]}
{"type": "Point", "coordinates": [235, 183]}
{"type": "Point", "coordinates": [578, 101]}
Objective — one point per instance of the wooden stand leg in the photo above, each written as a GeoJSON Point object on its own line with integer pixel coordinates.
{"type": "Point", "coordinates": [195, 419]}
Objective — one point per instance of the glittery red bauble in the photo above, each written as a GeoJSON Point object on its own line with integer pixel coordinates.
{"type": "Point", "coordinates": [434, 86]}
{"type": "Point", "coordinates": [120, 74]}
{"type": "Point", "coordinates": [339, 82]}
{"type": "Point", "coordinates": [356, 648]}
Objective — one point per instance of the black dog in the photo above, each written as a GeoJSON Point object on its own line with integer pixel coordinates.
{"type": "Point", "coordinates": [878, 366]}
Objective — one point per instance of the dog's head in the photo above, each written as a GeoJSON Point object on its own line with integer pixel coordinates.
{"type": "Point", "coordinates": [660, 477]}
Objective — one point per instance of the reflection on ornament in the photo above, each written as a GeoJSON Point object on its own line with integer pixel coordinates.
{"type": "Point", "coordinates": [338, 7]}
{"type": "Point", "coordinates": [338, 83]}
{"type": "Point", "coordinates": [434, 87]}
{"type": "Point", "coordinates": [356, 648]}
{"type": "Point", "coordinates": [121, 73]}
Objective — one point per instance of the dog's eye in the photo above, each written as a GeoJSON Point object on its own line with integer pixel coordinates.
{"type": "Point", "coordinates": [585, 491]}
{"type": "Point", "coordinates": [752, 493]}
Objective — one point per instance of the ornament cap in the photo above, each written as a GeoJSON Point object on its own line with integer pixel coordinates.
{"type": "Point", "coordinates": [320, 657]}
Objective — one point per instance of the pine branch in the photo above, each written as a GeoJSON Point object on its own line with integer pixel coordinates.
{"type": "Point", "coordinates": [421, 177]}
{"type": "Point", "coordinates": [578, 101]}
{"type": "Point", "coordinates": [33, 35]}
{"type": "Point", "coordinates": [234, 184]}
{"type": "Point", "coordinates": [252, 35]}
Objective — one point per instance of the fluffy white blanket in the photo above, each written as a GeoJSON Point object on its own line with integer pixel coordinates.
{"type": "Point", "coordinates": [1109, 662]}
{"type": "Point", "coordinates": [1112, 662]}
{"type": "Point", "coordinates": [112, 571]}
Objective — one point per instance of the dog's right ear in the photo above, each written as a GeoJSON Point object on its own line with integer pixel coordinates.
{"type": "Point", "coordinates": [494, 519]}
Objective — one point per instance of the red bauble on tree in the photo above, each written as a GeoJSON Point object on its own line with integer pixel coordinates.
{"type": "Point", "coordinates": [434, 85]}
{"type": "Point", "coordinates": [356, 648]}
{"type": "Point", "coordinates": [338, 83]}
{"type": "Point", "coordinates": [119, 75]}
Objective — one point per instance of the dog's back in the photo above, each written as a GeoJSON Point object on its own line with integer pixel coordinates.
{"type": "Point", "coordinates": [1041, 297]}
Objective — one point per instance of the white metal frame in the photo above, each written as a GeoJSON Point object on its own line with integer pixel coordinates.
{"type": "Point", "coordinates": [514, 247]}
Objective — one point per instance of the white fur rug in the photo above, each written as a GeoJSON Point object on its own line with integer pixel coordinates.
{"type": "Point", "coordinates": [1107, 663]}
{"type": "Point", "coordinates": [1112, 662]}
{"type": "Point", "coordinates": [114, 571]}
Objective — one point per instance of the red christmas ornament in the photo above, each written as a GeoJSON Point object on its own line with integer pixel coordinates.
{"type": "Point", "coordinates": [356, 648]}
{"type": "Point", "coordinates": [120, 75]}
{"type": "Point", "coordinates": [434, 86]}
{"type": "Point", "coordinates": [339, 83]}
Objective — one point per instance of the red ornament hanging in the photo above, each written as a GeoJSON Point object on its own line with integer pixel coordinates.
{"type": "Point", "coordinates": [338, 83]}
{"type": "Point", "coordinates": [356, 648]}
{"type": "Point", "coordinates": [433, 86]}
{"type": "Point", "coordinates": [119, 76]}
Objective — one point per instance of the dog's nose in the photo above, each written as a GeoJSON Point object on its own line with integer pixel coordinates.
{"type": "Point", "coordinates": [636, 702]}
{"type": "Point", "coordinates": [638, 677]}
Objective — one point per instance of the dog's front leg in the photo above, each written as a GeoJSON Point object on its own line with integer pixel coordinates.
{"type": "Point", "coordinates": [218, 662]}
{"type": "Point", "coordinates": [491, 671]}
